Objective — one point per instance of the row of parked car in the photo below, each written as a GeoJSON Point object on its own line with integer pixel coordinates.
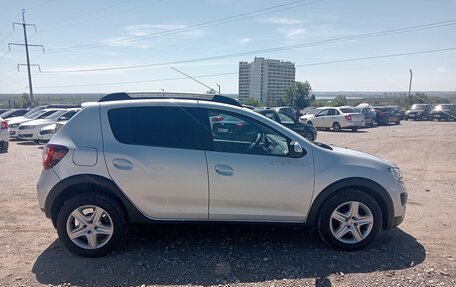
{"type": "Point", "coordinates": [38, 124]}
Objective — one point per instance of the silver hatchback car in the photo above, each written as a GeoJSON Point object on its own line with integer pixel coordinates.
{"type": "Point", "coordinates": [130, 159]}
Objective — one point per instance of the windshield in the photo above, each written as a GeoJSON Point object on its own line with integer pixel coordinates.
{"type": "Point", "coordinates": [347, 110]}
{"type": "Point", "coordinates": [438, 108]}
{"type": "Point", "coordinates": [45, 114]}
{"type": "Point", "coordinates": [56, 115]}
{"type": "Point", "coordinates": [419, 107]}
{"type": "Point", "coordinates": [32, 111]}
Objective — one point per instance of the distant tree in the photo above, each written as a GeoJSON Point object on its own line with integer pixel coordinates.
{"type": "Point", "coordinates": [25, 101]}
{"type": "Point", "coordinates": [252, 102]}
{"type": "Point", "coordinates": [297, 95]}
{"type": "Point", "coordinates": [339, 101]}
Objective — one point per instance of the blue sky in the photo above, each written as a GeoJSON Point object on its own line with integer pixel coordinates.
{"type": "Point", "coordinates": [63, 24]}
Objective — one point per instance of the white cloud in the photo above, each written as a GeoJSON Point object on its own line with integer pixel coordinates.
{"type": "Point", "coordinates": [292, 33]}
{"type": "Point", "coordinates": [244, 40]}
{"type": "Point", "coordinates": [163, 29]}
{"type": "Point", "coordinates": [283, 21]}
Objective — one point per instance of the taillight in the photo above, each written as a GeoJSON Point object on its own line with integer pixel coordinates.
{"type": "Point", "coordinates": [52, 154]}
{"type": "Point", "coordinates": [348, 117]}
{"type": "Point", "coordinates": [217, 119]}
{"type": "Point", "coordinates": [4, 125]}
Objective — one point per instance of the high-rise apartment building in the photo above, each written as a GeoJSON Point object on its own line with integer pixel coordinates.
{"type": "Point", "coordinates": [265, 80]}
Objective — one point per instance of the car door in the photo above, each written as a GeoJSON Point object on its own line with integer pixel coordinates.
{"type": "Point", "coordinates": [330, 118]}
{"type": "Point", "coordinates": [287, 121]}
{"type": "Point", "coordinates": [249, 182]}
{"type": "Point", "coordinates": [155, 155]}
{"type": "Point", "coordinates": [320, 119]}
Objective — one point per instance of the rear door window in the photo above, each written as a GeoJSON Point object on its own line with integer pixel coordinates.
{"type": "Point", "coordinates": [171, 127]}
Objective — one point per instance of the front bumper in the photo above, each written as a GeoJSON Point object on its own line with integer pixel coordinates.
{"type": "Point", "coordinates": [399, 196]}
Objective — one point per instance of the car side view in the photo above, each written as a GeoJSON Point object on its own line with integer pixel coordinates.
{"type": "Point", "coordinates": [337, 118]}
{"type": "Point", "coordinates": [135, 158]}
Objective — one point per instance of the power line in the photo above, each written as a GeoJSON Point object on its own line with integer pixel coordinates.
{"type": "Point", "coordinates": [95, 19]}
{"type": "Point", "coordinates": [7, 36]}
{"type": "Point", "coordinates": [376, 57]}
{"type": "Point", "coordinates": [220, 21]}
{"type": "Point", "coordinates": [136, 82]}
{"type": "Point", "coordinates": [4, 55]}
{"type": "Point", "coordinates": [276, 49]}
{"type": "Point", "coordinates": [235, 73]}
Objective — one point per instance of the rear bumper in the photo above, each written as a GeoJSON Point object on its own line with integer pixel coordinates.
{"type": "Point", "coordinates": [48, 179]}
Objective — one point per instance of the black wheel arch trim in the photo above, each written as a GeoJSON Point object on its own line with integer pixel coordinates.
{"type": "Point", "coordinates": [371, 187]}
{"type": "Point", "coordinates": [57, 195]}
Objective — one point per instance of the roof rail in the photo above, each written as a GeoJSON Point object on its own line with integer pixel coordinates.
{"type": "Point", "coordinates": [182, 96]}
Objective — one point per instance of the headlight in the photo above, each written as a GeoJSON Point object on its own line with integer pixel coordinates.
{"type": "Point", "coordinates": [396, 172]}
{"type": "Point", "coordinates": [14, 125]}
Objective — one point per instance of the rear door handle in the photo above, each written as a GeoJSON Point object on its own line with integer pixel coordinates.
{"type": "Point", "coordinates": [123, 164]}
{"type": "Point", "coordinates": [224, 170]}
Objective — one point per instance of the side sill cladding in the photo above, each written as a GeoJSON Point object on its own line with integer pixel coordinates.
{"type": "Point", "coordinates": [89, 183]}
{"type": "Point", "coordinates": [371, 187]}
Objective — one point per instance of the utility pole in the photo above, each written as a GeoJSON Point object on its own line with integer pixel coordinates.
{"type": "Point", "coordinates": [218, 88]}
{"type": "Point", "coordinates": [26, 44]}
{"type": "Point", "coordinates": [410, 86]}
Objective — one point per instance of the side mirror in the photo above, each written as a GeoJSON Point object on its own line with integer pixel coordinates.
{"type": "Point", "coordinates": [295, 149]}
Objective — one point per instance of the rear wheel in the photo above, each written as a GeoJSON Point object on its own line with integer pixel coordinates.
{"type": "Point", "coordinates": [398, 121]}
{"type": "Point", "coordinates": [91, 225]}
{"type": "Point", "coordinates": [349, 219]}
{"type": "Point", "coordinates": [336, 127]}
{"type": "Point", "coordinates": [354, 129]}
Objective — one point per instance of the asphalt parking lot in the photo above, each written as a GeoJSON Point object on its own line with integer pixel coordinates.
{"type": "Point", "coordinates": [421, 252]}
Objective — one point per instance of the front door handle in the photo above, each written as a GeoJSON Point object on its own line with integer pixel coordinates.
{"type": "Point", "coordinates": [224, 170]}
{"type": "Point", "coordinates": [123, 164]}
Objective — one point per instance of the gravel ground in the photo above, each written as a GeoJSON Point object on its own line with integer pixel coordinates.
{"type": "Point", "coordinates": [421, 252]}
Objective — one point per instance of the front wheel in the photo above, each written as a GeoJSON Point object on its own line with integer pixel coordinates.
{"type": "Point", "coordinates": [350, 219]}
{"type": "Point", "coordinates": [91, 225]}
{"type": "Point", "coordinates": [354, 129]}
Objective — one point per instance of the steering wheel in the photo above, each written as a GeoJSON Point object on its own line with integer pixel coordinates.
{"type": "Point", "coordinates": [255, 142]}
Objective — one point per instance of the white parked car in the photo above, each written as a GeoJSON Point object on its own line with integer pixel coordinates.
{"type": "Point", "coordinates": [31, 130]}
{"type": "Point", "coordinates": [337, 118]}
{"type": "Point", "coordinates": [47, 132]}
{"type": "Point", "coordinates": [14, 123]}
{"type": "Point", "coordinates": [4, 135]}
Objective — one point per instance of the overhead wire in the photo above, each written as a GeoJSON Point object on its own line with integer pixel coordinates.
{"type": "Point", "coordinates": [235, 73]}
{"type": "Point", "coordinates": [269, 50]}
{"type": "Point", "coordinates": [255, 13]}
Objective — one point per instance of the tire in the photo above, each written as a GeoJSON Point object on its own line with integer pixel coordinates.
{"type": "Point", "coordinates": [406, 118]}
{"type": "Point", "coordinates": [310, 123]}
{"type": "Point", "coordinates": [336, 127]}
{"type": "Point", "coordinates": [112, 220]}
{"type": "Point", "coordinates": [398, 122]}
{"type": "Point", "coordinates": [4, 146]}
{"type": "Point", "coordinates": [309, 137]}
{"type": "Point", "coordinates": [354, 129]}
{"type": "Point", "coordinates": [329, 223]}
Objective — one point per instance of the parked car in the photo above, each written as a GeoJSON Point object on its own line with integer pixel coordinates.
{"type": "Point", "coordinates": [386, 115]}
{"type": "Point", "coordinates": [47, 132]}
{"type": "Point", "coordinates": [337, 118]}
{"type": "Point", "coordinates": [288, 110]}
{"type": "Point", "coordinates": [398, 110]}
{"type": "Point", "coordinates": [13, 113]}
{"type": "Point", "coordinates": [15, 122]}
{"type": "Point", "coordinates": [418, 112]}
{"type": "Point", "coordinates": [3, 110]}
{"type": "Point", "coordinates": [30, 130]}
{"type": "Point", "coordinates": [369, 115]}
{"type": "Point", "coordinates": [443, 112]}
{"type": "Point", "coordinates": [307, 131]}
{"type": "Point", "coordinates": [4, 135]}
{"type": "Point", "coordinates": [155, 160]}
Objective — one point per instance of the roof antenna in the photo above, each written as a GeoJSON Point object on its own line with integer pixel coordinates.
{"type": "Point", "coordinates": [199, 82]}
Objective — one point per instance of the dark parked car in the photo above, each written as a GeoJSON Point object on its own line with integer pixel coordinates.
{"type": "Point", "coordinates": [305, 130]}
{"type": "Point", "coordinates": [13, 113]}
{"type": "Point", "coordinates": [3, 110]}
{"type": "Point", "coordinates": [444, 112]}
{"type": "Point", "coordinates": [288, 110]}
{"type": "Point", "coordinates": [419, 112]}
{"type": "Point", "coordinates": [398, 110]}
{"type": "Point", "coordinates": [386, 115]}
{"type": "Point", "coordinates": [369, 115]}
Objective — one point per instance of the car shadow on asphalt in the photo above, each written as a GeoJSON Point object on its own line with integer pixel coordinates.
{"type": "Point", "coordinates": [215, 254]}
